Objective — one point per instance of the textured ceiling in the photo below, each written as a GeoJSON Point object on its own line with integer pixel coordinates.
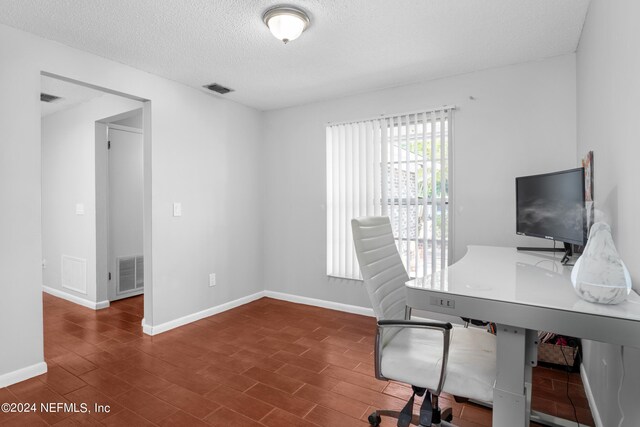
{"type": "Point", "coordinates": [351, 46]}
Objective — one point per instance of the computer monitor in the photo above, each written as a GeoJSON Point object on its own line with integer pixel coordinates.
{"type": "Point", "coordinates": [552, 206]}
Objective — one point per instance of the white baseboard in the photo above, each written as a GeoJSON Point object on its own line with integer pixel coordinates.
{"type": "Point", "coordinates": [172, 324]}
{"type": "Point", "coordinates": [356, 309]}
{"type": "Point", "coordinates": [22, 374]}
{"type": "Point", "coordinates": [592, 402]}
{"type": "Point", "coordinates": [76, 299]}
{"type": "Point", "coordinates": [147, 329]}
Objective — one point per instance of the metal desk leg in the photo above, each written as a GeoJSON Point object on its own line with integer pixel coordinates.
{"type": "Point", "coordinates": [407, 312]}
{"type": "Point", "coordinates": [531, 360]}
{"type": "Point", "coordinates": [509, 396]}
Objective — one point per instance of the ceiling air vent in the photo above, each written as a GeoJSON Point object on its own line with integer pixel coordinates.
{"type": "Point", "coordinates": [45, 97]}
{"type": "Point", "coordinates": [215, 87]}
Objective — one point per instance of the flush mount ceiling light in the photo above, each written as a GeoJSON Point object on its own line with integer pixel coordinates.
{"type": "Point", "coordinates": [286, 23]}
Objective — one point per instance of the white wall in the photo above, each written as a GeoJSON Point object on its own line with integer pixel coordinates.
{"type": "Point", "coordinates": [210, 162]}
{"type": "Point", "coordinates": [20, 244]}
{"type": "Point", "coordinates": [522, 122]}
{"type": "Point", "coordinates": [608, 70]}
{"type": "Point", "coordinates": [205, 154]}
{"type": "Point", "coordinates": [68, 178]}
{"type": "Point", "coordinates": [134, 121]}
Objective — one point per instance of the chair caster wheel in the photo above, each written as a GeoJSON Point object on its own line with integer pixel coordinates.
{"type": "Point", "coordinates": [447, 415]}
{"type": "Point", "coordinates": [374, 420]}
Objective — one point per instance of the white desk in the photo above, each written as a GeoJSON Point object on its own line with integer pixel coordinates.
{"type": "Point", "coordinates": [522, 292]}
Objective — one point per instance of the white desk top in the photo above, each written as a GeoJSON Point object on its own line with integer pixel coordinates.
{"type": "Point", "coordinates": [529, 278]}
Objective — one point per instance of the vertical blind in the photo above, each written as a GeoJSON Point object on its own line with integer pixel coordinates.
{"type": "Point", "coordinates": [396, 166]}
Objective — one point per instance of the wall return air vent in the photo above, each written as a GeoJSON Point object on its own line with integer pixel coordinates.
{"type": "Point", "coordinates": [45, 97]}
{"type": "Point", "coordinates": [130, 274]}
{"type": "Point", "coordinates": [215, 87]}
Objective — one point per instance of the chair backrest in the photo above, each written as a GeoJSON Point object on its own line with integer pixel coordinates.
{"type": "Point", "coordinates": [381, 266]}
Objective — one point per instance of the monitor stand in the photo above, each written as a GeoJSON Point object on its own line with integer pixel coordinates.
{"type": "Point", "coordinates": [568, 251]}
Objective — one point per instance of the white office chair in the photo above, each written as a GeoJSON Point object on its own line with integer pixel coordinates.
{"type": "Point", "coordinates": [431, 356]}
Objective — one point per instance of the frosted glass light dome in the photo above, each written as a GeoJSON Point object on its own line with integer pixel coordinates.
{"type": "Point", "coordinates": [286, 23]}
{"type": "Point", "coordinates": [599, 275]}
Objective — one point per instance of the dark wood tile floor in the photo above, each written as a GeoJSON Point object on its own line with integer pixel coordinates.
{"type": "Point", "coordinates": [267, 363]}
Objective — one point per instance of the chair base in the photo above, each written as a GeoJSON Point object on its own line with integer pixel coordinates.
{"type": "Point", "coordinates": [446, 416]}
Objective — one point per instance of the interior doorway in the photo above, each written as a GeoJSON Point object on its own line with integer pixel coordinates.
{"type": "Point", "coordinates": [96, 221]}
{"type": "Point", "coordinates": [125, 186]}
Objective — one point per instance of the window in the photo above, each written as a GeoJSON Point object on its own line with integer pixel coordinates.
{"type": "Point", "coordinates": [395, 166]}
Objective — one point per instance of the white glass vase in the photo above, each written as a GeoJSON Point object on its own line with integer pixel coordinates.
{"type": "Point", "coordinates": [599, 275]}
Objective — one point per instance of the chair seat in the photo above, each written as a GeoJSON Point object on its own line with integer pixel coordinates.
{"type": "Point", "coordinates": [471, 369]}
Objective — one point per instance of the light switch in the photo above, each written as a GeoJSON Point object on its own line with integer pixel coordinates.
{"type": "Point", "coordinates": [79, 208]}
{"type": "Point", "coordinates": [177, 209]}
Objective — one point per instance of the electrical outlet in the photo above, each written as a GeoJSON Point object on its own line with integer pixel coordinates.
{"type": "Point", "coordinates": [44, 263]}
{"type": "Point", "coordinates": [442, 302]}
{"type": "Point", "coordinates": [212, 279]}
